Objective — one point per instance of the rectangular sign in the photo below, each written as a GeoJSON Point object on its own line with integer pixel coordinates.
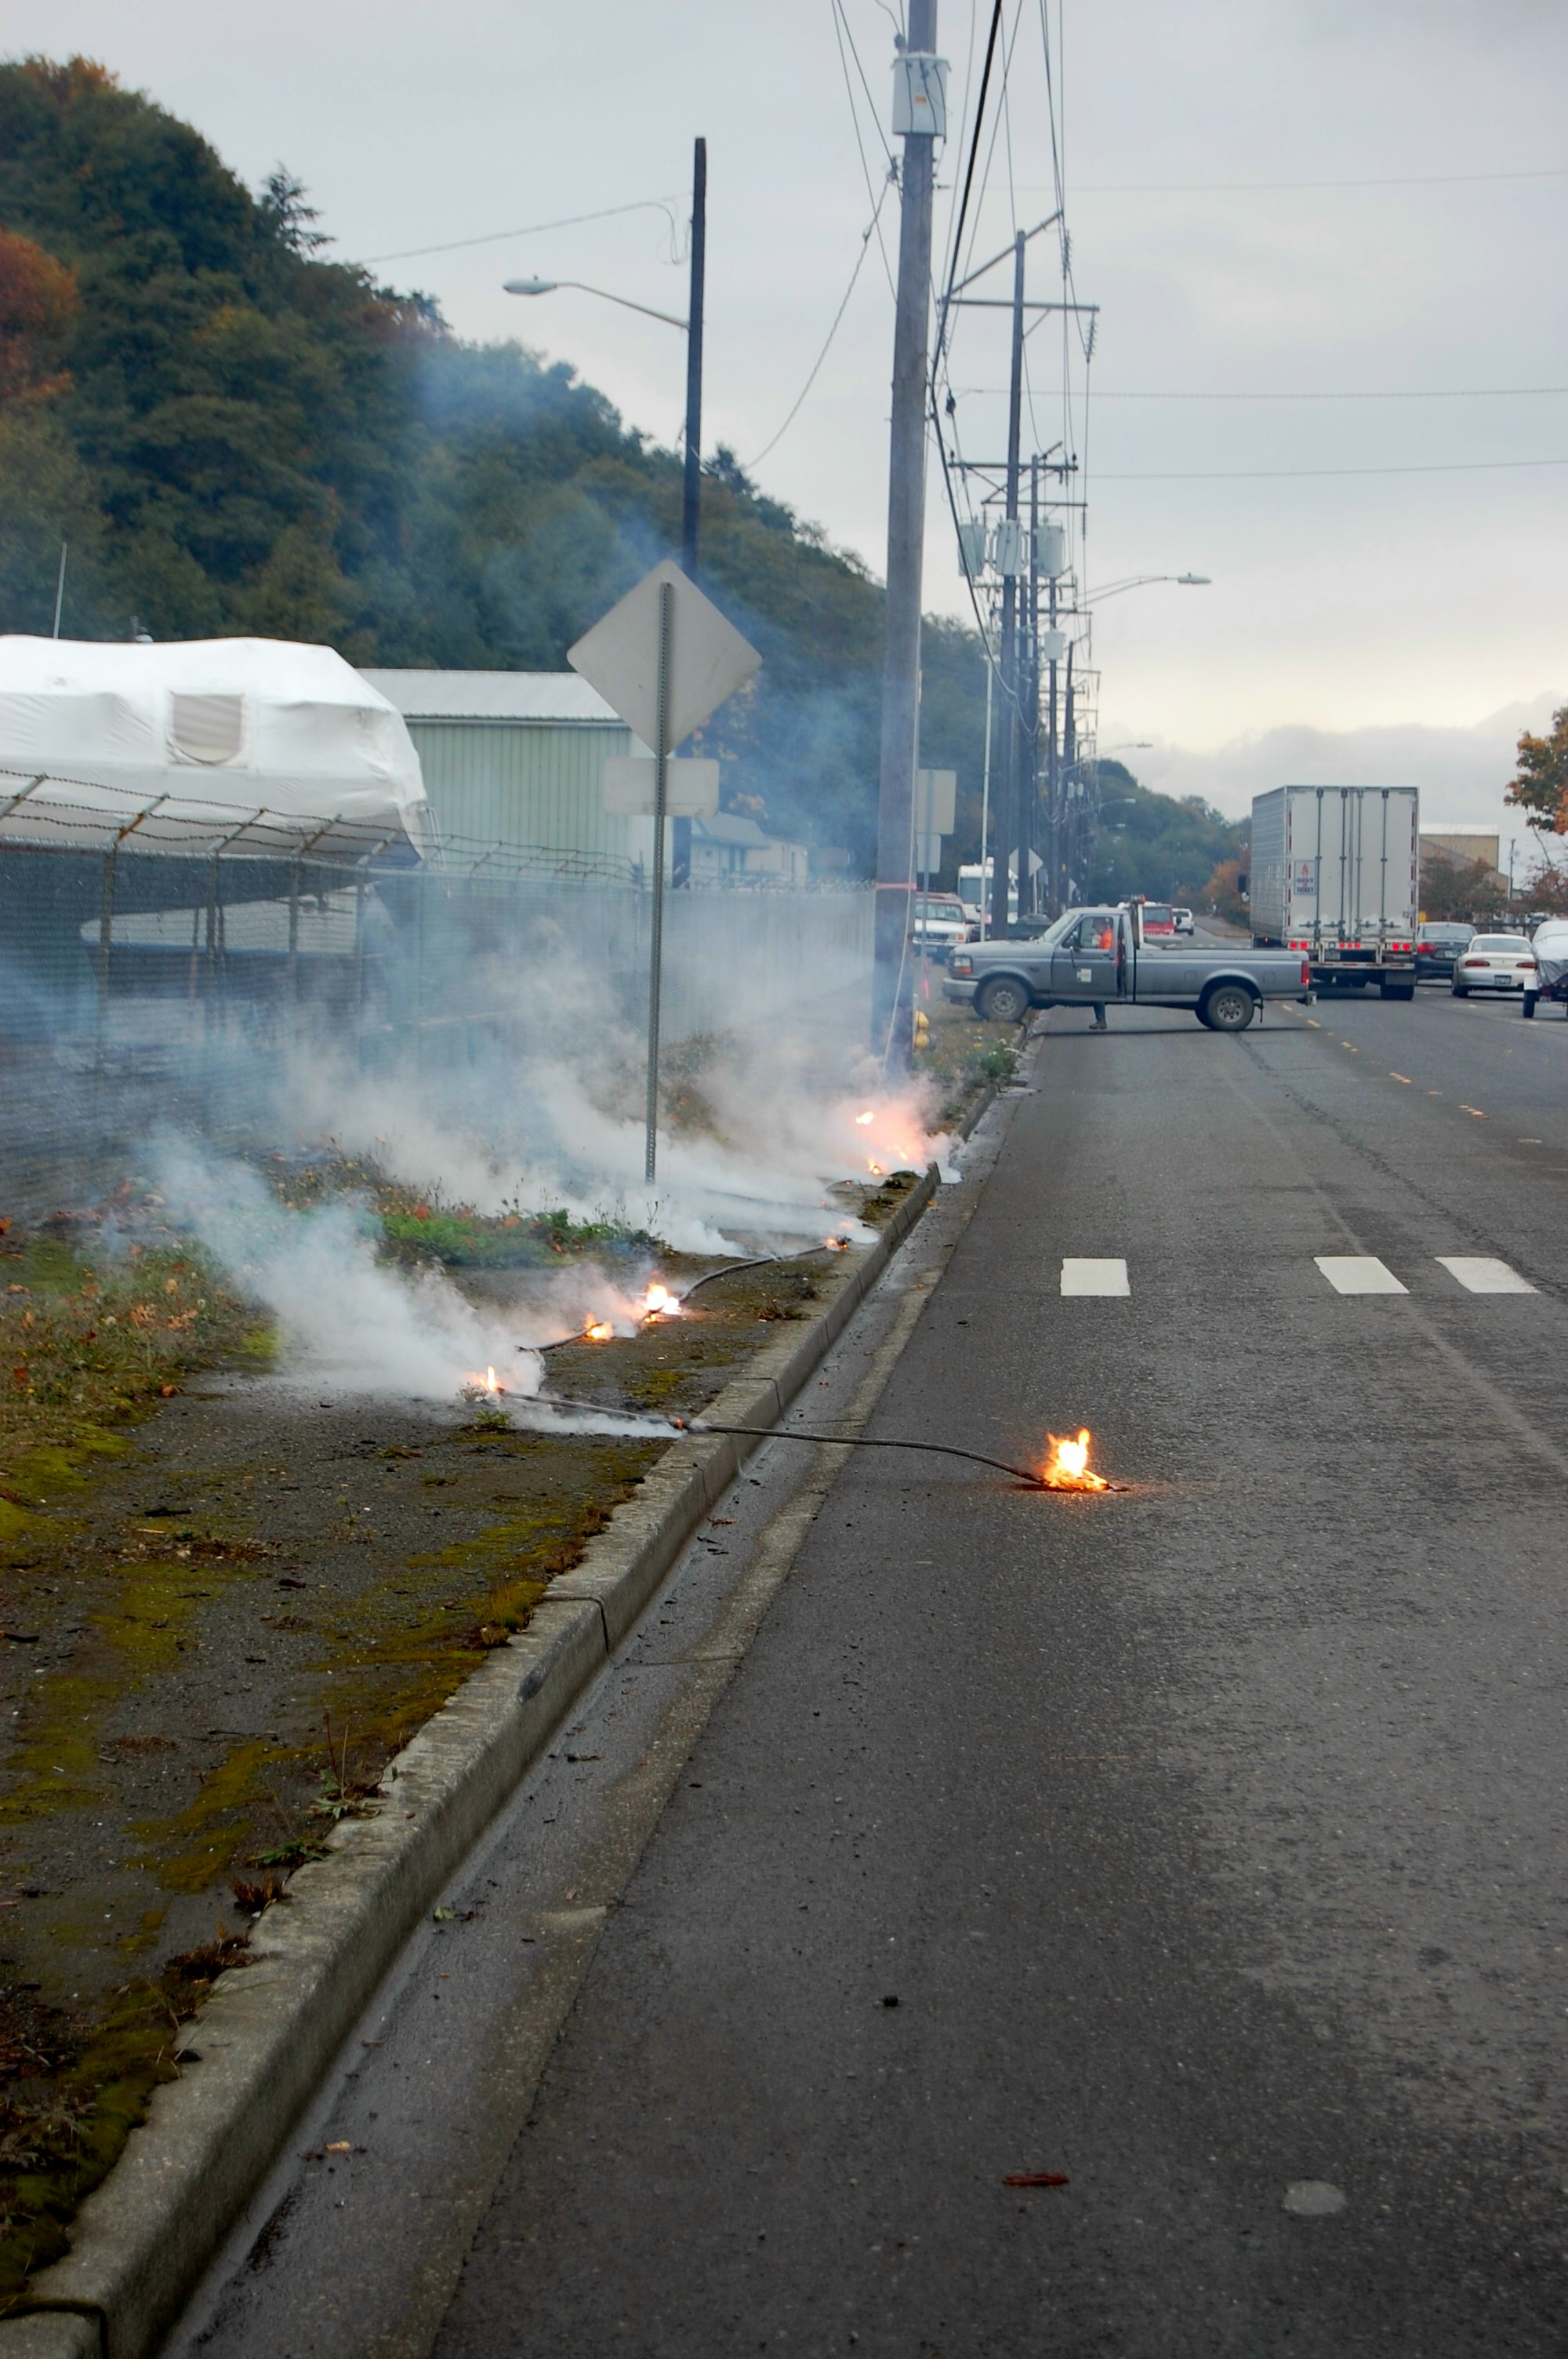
{"type": "Point", "coordinates": [936, 801]}
{"type": "Point", "coordinates": [691, 789]}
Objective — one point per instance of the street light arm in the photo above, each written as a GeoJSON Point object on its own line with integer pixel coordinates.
{"type": "Point", "coordinates": [1140, 580]}
{"type": "Point", "coordinates": [550, 286]}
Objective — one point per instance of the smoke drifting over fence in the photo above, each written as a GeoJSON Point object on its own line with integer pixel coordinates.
{"type": "Point", "coordinates": [472, 1024]}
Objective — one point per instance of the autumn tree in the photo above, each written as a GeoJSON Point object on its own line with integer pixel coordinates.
{"type": "Point", "coordinates": [1468, 892]}
{"type": "Point", "coordinates": [1222, 895]}
{"type": "Point", "coordinates": [1541, 786]}
{"type": "Point", "coordinates": [38, 304]}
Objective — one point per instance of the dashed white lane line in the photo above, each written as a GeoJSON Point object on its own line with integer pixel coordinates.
{"type": "Point", "coordinates": [1358, 1273]}
{"type": "Point", "coordinates": [1080, 1276]}
{"type": "Point", "coordinates": [1479, 1274]}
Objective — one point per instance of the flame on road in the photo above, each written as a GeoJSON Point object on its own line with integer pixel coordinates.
{"type": "Point", "coordinates": [1069, 1467]}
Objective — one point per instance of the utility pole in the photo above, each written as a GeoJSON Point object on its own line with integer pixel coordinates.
{"type": "Point", "coordinates": [906, 530]}
{"type": "Point", "coordinates": [1072, 785]}
{"type": "Point", "coordinates": [691, 485]}
{"type": "Point", "coordinates": [1007, 796]}
{"type": "Point", "coordinates": [1052, 767]}
{"type": "Point", "coordinates": [1028, 719]}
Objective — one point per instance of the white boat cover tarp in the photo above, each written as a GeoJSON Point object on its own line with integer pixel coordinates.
{"type": "Point", "coordinates": [257, 746]}
{"type": "Point", "coordinates": [1550, 943]}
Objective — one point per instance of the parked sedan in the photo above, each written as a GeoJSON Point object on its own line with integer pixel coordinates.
{"type": "Point", "coordinates": [1436, 949]}
{"type": "Point", "coordinates": [1494, 962]}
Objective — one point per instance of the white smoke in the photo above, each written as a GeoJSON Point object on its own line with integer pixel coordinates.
{"type": "Point", "coordinates": [351, 1325]}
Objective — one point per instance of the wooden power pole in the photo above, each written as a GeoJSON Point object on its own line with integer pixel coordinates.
{"type": "Point", "coordinates": [920, 85]}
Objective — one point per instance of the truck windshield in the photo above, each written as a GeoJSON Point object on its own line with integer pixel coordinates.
{"type": "Point", "coordinates": [1054, 933]}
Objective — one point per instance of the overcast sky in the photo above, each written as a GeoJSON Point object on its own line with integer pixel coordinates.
{"type": "Point", "coordinates": [1342, 602]}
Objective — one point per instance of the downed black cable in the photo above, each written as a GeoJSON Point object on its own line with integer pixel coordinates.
{"type": "Point", "coordinates": [697, 1425]}
{"type": "Point", "coordinates": [872, 1441]}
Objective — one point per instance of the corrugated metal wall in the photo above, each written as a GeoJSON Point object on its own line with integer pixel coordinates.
{"type": "Point", "coordinates": [524, 782]}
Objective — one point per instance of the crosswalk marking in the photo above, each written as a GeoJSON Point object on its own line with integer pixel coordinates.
{"type": "Point", "coordinates": [1079, 1277]}
{"type": "Point", "coordinates": [1358, 1273]}
{"type": "Point", "coordinates": [1479, 1274]}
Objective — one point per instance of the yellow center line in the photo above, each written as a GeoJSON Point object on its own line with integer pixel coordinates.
{"type": "Point", "coordinates": [1400, 1077]}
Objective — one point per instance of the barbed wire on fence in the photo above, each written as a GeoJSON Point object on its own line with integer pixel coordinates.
{"type": "Point", "coordinates": [43, 813]}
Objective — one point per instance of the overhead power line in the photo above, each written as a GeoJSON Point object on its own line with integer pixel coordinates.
{"type": "Point", "coordinates": [866, 238]}
{"type": "Point", "coordinates": [1230, 475]}
{"type": "Point", "coordinates": [970, 169]}
{"type": "Point", "coordinates": [1254, 188]}
{"type": "Point", "coordinates": [1410, 392]}
{"type": "Point", "coordinates": [533, 228]}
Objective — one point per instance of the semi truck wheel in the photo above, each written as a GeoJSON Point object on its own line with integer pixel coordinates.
{"type": "Point", "coordinates": [1002, 1000]}
{"type": "Point", "coordinates": [1228, 1007]}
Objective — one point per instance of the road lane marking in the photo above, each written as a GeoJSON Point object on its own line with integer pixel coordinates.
{"type": "Point", "coordinates": [1474, 1109]}
{"type": "Point", "coordinates": [1358, 1273]}
{"type": "Point", "coordinates": [1479, 1274]}
{"type": "Point", "coordinates": [1315, 1024]}
{"type": "Point", "coordinates": [1080, 1276]}
{"type": "Point", "coordinates": [1529, 1142]}
{"type": "Point", "coordinates": [1400, 1077]}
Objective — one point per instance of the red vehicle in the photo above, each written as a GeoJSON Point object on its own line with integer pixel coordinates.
{"type": "Point", "coordinates": [1158, 918]}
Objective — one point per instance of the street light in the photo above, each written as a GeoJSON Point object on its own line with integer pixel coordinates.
{"type": "Point", "coordinates": [691, 328]}
{"type": "Point", "coordinates": [1139, 581]}
{"type": "Point", "coordinates": [553, 287]}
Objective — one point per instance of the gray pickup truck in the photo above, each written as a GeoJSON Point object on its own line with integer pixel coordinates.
{"type": "Point", "coordinates": [1097, 958]}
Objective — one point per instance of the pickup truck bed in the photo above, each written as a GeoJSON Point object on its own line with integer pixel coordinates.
{"type": "Point", "coordinates": [1097, 958]}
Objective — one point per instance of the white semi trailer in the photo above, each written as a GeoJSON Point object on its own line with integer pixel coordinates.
{"type": "Point", "coordinates": [1335, 874]}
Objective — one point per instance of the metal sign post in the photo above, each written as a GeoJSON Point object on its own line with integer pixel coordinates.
{"type": "Point", "coordinates": [657, 951]}
{"type": "Point", "coordinates": [697, 660]}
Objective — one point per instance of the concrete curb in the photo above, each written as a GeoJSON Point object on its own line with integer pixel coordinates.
{"type": "Point", "coordinates": [270, 2032]}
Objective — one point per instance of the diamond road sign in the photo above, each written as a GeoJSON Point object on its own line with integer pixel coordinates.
{"type": "Point", "coordinates": [620, 657]}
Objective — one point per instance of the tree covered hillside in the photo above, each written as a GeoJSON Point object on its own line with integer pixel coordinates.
{"type": "Point", "coordinates": [1156, 844]}
{"type": "Point", "coordinates": [237, 434]}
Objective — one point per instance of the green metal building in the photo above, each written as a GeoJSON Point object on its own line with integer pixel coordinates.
{"type": "Point", "coordinates": [516, 757]}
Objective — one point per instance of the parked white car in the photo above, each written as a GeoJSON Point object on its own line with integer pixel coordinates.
{"type": "Point", "coordinates": [1494, 962]}
{"type": "Point", "coordinates": [940, 921]}
{"type": "Point", "coordinates": [1185, 922]}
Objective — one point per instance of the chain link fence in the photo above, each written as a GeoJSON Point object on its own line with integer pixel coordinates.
{"type": "Point", "coordinates": [162, 965]}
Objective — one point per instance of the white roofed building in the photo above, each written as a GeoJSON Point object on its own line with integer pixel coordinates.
{"type": "Point", "coordinates": [518, 757]}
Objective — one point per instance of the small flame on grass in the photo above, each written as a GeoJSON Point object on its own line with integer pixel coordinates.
{"type": "Point", "coordinates": [837, 1245]}
{"type": "Point", "coordinates": [875, 1169]}
{"type": "Point", "coordinates": [488, 1388]}
{"type": "Point", "coordinates": [597, 1331]}
{"type": "Point", "coordinates": [862, 1119]}
{"type": "Point", "coordinates": [659, 1301]}
{"type": "Point", "coordinates": [1069, 1467]}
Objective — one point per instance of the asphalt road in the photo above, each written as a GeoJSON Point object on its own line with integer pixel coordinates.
{"type": "Point", "coordinates": [1201, 1846]}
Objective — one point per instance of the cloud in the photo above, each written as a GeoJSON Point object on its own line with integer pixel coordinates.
{"type": "Point", "coordinates": [1461, 771]}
